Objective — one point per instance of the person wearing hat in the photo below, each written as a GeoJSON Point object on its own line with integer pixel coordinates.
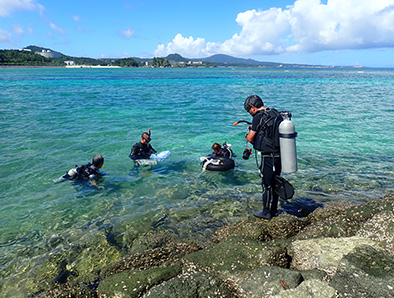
{"type": "Point", "coordinates": [270, 158]}
{"type": "Point", "coordinates": [142, 149]}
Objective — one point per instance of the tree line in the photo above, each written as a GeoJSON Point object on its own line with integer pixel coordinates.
{"type": "Point", "coordinates": [26, 58]}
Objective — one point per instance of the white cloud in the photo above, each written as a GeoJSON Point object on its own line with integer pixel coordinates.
{"type": "Point", "coordinates": [128, 33]}
{"type": "Point", "coordinates": [8, 6]}
{"type": "Point", "coordinates": [184, 46]}
{"type": "Point", "coordinates": [56, 28]}
{"type": "Point", "coordinates": [76, 18]}
{"type": "Point", "coordinates": [304, 27]}
{"type": "Point", "coordinates": [5, 36]}
{"type": "Point", "coordinates": [18, 30]}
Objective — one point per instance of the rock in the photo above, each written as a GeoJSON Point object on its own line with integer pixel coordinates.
{"type": "Point", "coordinates": [309, 289]}
{"type": "Point", "coordinates": [166, 255]}
{"type": "Point", "coordinates": [240, 254]}
{"type": "Point", "coordinates": [323, 253]}
{"type": "Point", "coordinates": [196, 284]}
{"type": "Point", "coordinates": [343, 219]}
{"type": "Point", "coordinates": [365, 272]}
{"type": "Point", "coordinates": [132, 283]}
{"type": "Point", "coordinates": [281, 227]}
{"type": "Point", "coordinates": [380, 228]}
{"type": "Point", "coordinates": [266, 281]}
{"type": "Point", "coordinates": [313, 274]}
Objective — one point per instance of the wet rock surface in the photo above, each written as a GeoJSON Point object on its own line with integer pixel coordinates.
{"type": "Point", "coordinates": [340, 250]}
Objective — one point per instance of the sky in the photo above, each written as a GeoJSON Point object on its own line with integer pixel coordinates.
{"type": "Point", "coordinates": [319, 32]}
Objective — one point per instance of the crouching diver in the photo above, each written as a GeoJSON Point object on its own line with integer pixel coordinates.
{"type": "Point", "coordinates": [264, 135]}
{"type": "Point", "coordinates": [90, 171]}
{"type": "Point", "coordinates": [142, 149]}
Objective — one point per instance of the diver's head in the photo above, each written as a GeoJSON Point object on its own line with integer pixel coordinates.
{"type": "Point", "coordinates": [252, 103]}
{"type": "Point", "coordinates": [216, 147]}
{"type": "Point", "coordinates": [98, 161]}
{"type": "Point", "coordinates": [145, 138]}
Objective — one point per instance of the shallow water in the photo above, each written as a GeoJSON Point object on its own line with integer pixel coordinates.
{"type": "Point", "coordinates": [53, 119]}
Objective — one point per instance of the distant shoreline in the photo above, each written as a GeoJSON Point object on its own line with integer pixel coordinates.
{"type": "Point", "coordinates": [91, 66]}
{"type": "Point", "coordinates": [31, 66]}
{"type": "Point", "coordinates": [57, 66]}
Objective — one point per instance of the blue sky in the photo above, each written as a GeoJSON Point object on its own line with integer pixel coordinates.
{"type": "Point", "coordinates": [330, 32]}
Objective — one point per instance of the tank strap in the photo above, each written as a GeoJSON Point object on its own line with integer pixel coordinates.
{"type": "Point", "coordinates": [288, 135]}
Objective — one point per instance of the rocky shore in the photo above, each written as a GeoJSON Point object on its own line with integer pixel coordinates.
{"type": "Point", "coordinates": [340, 250]}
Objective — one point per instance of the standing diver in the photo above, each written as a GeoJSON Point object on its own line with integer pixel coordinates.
{"type": "Point", "coordinates": [142, 149]}
{"type": "Point", "coordinates": [264, 135]}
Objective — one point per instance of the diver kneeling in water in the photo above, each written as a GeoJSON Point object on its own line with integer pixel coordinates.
{"type": "Point", "coordinates": [142, 149]}
{"type": "Point", "coordinates": [90, 171]}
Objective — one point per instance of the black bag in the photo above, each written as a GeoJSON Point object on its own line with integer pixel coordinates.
{"type": "Point", "coordinates": [283, 188]}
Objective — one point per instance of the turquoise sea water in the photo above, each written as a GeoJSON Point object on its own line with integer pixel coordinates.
{"type": "Point", "coordinates": [53, 119]}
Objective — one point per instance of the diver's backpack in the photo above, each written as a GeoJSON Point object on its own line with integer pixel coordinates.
{"type": "Point", "coordinates": [267, 132]}
{"type": "Point", "coordinates": [80, 173]}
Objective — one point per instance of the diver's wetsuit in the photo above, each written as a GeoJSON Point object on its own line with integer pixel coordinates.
{"type": "Point", "coordinates": [270, 168]}
{"type": "Point", "coordinates": [84, 172]}
{"type": "Point", "coordinates": [141, 151]}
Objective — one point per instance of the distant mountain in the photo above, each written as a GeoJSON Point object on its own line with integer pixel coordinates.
{"type": "Point", "coordinates": [221, 59]}
{"type": "Point", "coordinates": [176, 58]}
{"type": "Point", "coordinates": [225, 59]}
{"type": "Point", "coordinates": [48, 53]}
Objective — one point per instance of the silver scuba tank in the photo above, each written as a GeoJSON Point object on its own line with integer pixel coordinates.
{"type": "Point", "coordinates": [72, 172]}
{"type": "Point", "coordinates": [287, 142]}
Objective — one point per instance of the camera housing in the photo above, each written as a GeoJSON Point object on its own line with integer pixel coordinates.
{"type": "Point", "coordinates": [246, 154]}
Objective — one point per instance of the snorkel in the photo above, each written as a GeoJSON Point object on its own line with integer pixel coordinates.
{"type": "Point", "coordinates": [242, 121]}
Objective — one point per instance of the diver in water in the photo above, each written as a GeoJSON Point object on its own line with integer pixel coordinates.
{"type": "Point", "coordinates": [90, 171]}
{"type": "Point", "coordinates": [142, 149]}
{"type": "Point", "coordinates": [218, 151]}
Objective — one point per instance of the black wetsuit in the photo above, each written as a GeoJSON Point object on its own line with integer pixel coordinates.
{"type": "Point", "coordinates": [141, 151]}
{"type": "Point", "coordinates": [270, 168]}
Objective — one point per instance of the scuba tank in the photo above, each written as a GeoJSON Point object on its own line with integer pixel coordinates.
{"type": "Point", "coordinates": [287, 141]}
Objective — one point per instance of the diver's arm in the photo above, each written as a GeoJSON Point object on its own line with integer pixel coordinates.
{"type": "Point", "coordinates": [134, 152]}
{"type": "Point", "coordinates": [250, 136]}
{"type": "Point", "coordinates": [153, 150]}
{"type": "Point", "coordinates": [94, 183]}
